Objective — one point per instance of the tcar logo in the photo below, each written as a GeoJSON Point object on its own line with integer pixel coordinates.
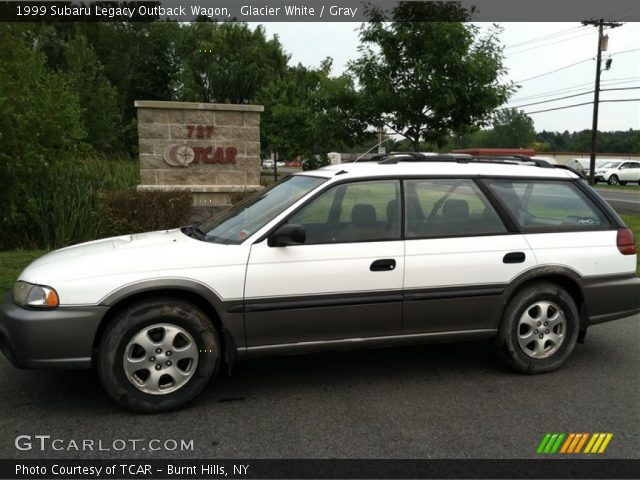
{"type": "Point", "coordinates": [178, 155]}
{"type": "Point", "coordinates": [574, 443]}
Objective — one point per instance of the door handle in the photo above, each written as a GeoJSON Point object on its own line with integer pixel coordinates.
{"type": "Point", "coordinates": [383, 265]}
{"type": "Point", "coordinates": [514, 257]}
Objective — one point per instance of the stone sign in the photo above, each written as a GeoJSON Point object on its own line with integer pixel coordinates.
{"type": "Point", "coordinates": [209, 149]}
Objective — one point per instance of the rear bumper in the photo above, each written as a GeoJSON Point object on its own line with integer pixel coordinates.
{"type": "Point", "coordinates": [60, 338]}
{"type": "Point", "coordinates": [611, 297]}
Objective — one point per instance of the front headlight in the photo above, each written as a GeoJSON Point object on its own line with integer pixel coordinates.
{"type": "Point", "coordinates": [39, 296]}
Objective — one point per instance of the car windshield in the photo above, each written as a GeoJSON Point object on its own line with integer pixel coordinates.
{"type": "Point", "coordinates": [235, 225]}
{"type": "Point", "coordinates": [611, 165]}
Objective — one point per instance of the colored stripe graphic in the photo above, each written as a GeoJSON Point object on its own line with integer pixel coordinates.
{"type": "Point", "coordinates": [567, 442]}
{"type": "Point", "coordinates": [581, 443]}
{"type": "Point", "coordinates": [543, 443]}
{"type": "Point", "coordinates": [555, 443]}
{"type": "Point", "coordinates": [550, 443]}
{"type": "Point", "coordinates": [607, 439]}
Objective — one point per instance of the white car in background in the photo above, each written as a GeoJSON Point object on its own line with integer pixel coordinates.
{"type": "Point", "coordinates": [267, 163]}
{"type": "Point", "coordinates": [618, 172]}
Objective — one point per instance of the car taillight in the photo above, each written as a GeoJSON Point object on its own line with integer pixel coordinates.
{"type": "Point", "coordinates": [625, 241]}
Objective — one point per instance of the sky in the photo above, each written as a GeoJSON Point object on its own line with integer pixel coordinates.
{"type": "Point", "coordinates": [531, 49]}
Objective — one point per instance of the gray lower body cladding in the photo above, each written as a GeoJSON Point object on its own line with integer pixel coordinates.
{"type": "Point", "coordinates": [610, 297]}
{"type": "Point", "coordinates": [64, 337]}
{"type": "Point", "coordinates": [60, 338]}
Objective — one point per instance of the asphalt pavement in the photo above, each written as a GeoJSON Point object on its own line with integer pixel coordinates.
{"type": "Point", "coordinates": [435, 401]}
{"type": "Point", "coordinates": [621, 199]}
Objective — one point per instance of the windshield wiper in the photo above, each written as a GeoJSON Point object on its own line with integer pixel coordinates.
{"type": "Point", "coordinates": [194, 231]}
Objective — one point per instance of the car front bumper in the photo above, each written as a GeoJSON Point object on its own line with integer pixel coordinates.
{"type": "Point", "coordinates": [60, 338]}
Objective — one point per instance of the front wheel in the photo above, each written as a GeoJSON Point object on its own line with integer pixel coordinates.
{"type": "Point", "coordinates": [613, 180]}
{"type": "Point", "coordinates": [539, 328]}
{"type": "Point", "coordinates": [158, 355]}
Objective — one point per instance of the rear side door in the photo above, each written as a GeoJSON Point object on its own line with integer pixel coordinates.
{"type": "Point", "coordinates": [460, 256]}
{"type": "Point", "coordinates": [344, 282]}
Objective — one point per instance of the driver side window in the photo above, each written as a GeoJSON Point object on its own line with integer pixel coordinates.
{"type": "Point", "coordinates": [353, 212]}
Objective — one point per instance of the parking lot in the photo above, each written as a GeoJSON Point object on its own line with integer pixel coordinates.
{"type": "Point", "coordinates": [437, 401]}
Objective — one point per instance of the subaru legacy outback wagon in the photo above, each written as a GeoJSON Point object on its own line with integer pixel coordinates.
{"type": "Point", "coordinates": [404, 249]}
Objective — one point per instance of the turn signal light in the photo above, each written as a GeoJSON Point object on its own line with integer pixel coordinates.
{"type": "Point", "coordinates": [625, 241]}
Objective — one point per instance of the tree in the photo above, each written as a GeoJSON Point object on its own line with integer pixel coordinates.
{"type": "Point", "coordinates": [40, 123]}
{"type": "Point", "coordinates": [227, 62]}
{"type": "Point", "coordinates": [308, 113]}
{"type": "Point", "coordinates": [426, 81]}
{"type": "Point", "coordinates": [512, 128]}
{"type": "Point", "coordinates": [98, 98]}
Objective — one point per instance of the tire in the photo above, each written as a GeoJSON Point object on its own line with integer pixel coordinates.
{"type": "Point", "coordinates": [522, 349]}
{"type": "Point", "coordinates": [171, 335]}
{"type": "Point", "coordinates": [613, 180]}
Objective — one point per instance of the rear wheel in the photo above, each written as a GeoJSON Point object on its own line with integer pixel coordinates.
{"type": "Point", "coordinates": [539, 328]}
{"type": "Point", "coordinates": [158, 355]}
{"type": "Point", "coordinates": [613, 180]}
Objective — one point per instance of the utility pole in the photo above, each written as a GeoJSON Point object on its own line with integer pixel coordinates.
{"type": "Point", "coordinates": [596, 91]}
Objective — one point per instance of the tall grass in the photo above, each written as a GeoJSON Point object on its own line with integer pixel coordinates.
{"type": "Point", "coordinates": [61, 203]}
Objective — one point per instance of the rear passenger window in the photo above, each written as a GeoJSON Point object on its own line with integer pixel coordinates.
{"type": "Point", "coordinates": [542, 205]}
{"type": "Point", "coordinates": [448, 207]}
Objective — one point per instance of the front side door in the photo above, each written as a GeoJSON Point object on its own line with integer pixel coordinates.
{"type": "Point", "coordinates": [344, 282]}
{"type": "Point", "coordinates": [459, 257]}
{"type": "Point", "coordinates": [630, 172]}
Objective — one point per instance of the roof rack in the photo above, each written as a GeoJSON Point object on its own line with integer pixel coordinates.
{"type": "Point", "coordinates": [396, 157]}
{"type": "Point", "coordinates": [392, 158]}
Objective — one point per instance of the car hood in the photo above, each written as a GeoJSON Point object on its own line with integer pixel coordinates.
{"type": "Point", "coordinates": [161, 251]}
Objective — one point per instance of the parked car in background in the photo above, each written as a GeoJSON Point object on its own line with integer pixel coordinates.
{"type": "Point", "coordinates": [293, 163]}
{"type": "Point", "coordinates": [267, 163]}
{"type": "Point", "coordinates": [618, 172]}
{"type": "Point", "coordinates": [280, 164]}
{"type": "Point", "coordinates": [585, 163]}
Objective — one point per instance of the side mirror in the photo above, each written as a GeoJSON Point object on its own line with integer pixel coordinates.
{"type": "Point", "coordinates": [287, 235]}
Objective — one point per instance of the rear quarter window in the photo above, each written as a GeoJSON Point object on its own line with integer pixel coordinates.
{"type": "Point", "coordinates": [548, 205]}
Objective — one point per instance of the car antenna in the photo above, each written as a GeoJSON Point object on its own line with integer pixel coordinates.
{"type": "Point", "coordinates": [375, 146]}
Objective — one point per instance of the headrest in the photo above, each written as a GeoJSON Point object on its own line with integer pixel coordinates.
{"type": "Point", "coordinates": [363, 214]}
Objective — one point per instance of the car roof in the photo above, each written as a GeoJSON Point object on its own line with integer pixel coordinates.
{"type": "Point", "coordinates": [440, 168]}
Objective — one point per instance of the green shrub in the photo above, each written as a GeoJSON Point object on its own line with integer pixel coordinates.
{"type": "Point", "coordinates": [134, 212]}
{"type": "Point", "coordinates": [57, 205]}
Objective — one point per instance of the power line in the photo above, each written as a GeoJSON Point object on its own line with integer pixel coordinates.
{"type": "Point", "coordinates": [584, 103]}
{"type": "Point", "coordinates": [545, 37]}
{"type": "Point", "coordinates": [549, 44]}
{"type": "Point", "coordinates": [575, 95]}
{"type": "Point", "coordinates": [574, 88]}
{"type": "Point", "coordinates": [574, 64]}
{"type": "Point", "coordinates": [556, 70]}
{"type": "Point", "coordinates": [560, 108]}
{"type": "Point", "coordinates": [625, 51]}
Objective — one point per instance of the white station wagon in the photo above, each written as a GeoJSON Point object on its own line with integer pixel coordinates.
{"type": "Point", "coordinates": [406, 249]}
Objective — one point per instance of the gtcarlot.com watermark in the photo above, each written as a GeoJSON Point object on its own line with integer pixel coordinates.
{"type": "Point", "coordinates": [47, 443]}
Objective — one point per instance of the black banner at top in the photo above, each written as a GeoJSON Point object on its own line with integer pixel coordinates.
{"type": "Point", "coordinates": [319, 10]}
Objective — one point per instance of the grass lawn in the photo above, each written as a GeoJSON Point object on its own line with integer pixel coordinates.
{"type": "Point", "coordinates": [12, 263]}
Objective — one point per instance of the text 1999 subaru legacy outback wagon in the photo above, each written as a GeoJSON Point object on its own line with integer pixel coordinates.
{"type": "Point", "coordinates": [403, 250]}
